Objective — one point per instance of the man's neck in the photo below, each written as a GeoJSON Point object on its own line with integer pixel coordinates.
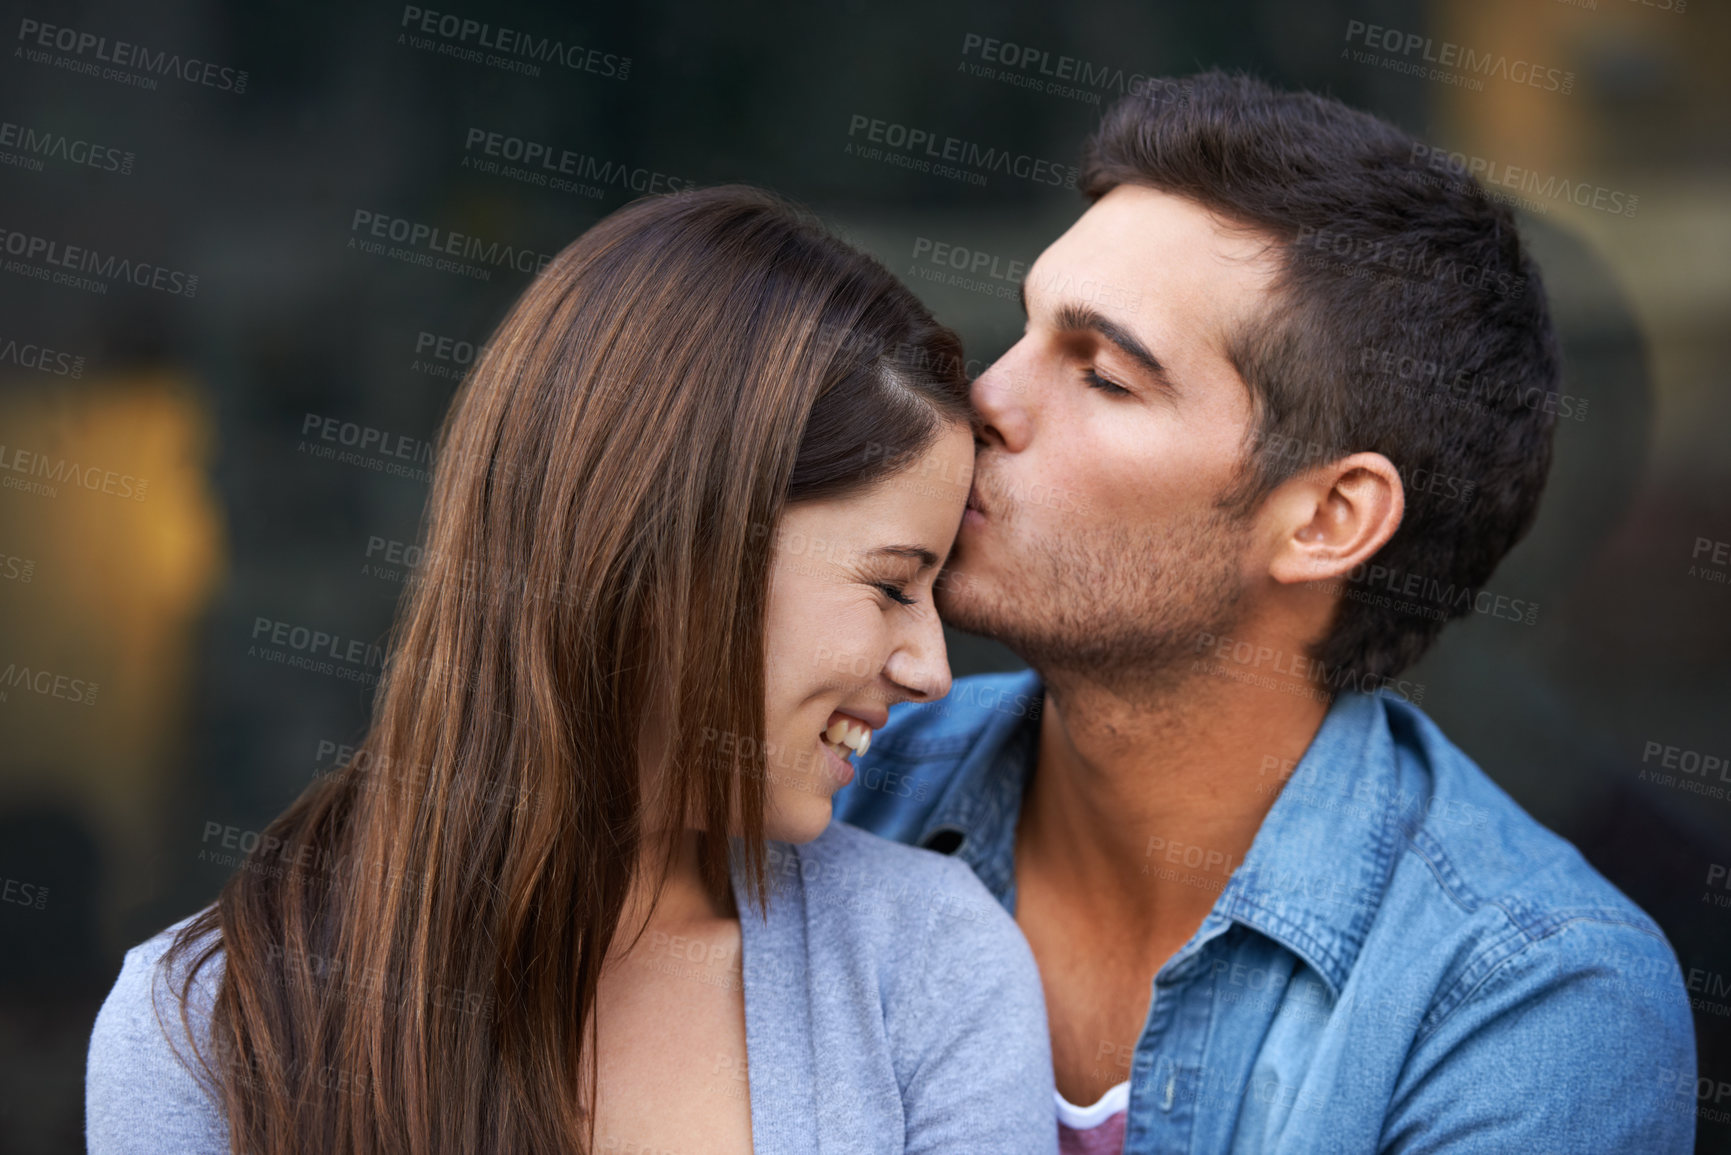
{"type": "Point", "coordinates": [1142, 805]}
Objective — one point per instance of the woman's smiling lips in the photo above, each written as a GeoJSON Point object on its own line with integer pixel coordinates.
{"type": "Point", "coordinates": [847, 733]}
{"type": "Point", "coordinates": [840, 768]}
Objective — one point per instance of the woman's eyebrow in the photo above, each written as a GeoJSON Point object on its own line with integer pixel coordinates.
{"type": "Point", "coordinates": [924, 556]}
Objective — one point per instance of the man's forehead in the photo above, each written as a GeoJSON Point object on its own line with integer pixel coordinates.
{"type": "Point", "coordinates": [1160, 252]}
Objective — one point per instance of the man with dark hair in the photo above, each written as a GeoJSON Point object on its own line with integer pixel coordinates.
{"type": "Point", "coordinates": [1284, 400]}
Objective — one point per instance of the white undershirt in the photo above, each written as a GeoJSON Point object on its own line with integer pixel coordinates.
{"type": "Point", "coordinates": [1076, 1118]}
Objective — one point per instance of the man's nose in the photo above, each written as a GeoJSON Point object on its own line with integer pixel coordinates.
{"type": "Point", "coordinates": [1000, 398]}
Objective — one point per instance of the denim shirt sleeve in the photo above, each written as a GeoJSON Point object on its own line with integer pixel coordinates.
{"type": "Point", "coordinates": [1578, 1041]}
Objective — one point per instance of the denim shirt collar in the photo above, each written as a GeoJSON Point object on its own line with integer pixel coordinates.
{"type": "Point", "coordinates": [1315, 872]}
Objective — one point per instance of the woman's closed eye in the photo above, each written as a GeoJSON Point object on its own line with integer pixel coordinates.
{"type": "Point", "coordinates": [895, 593]}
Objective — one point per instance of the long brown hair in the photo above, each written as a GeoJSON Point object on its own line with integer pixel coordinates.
{"type": "Point", "coordinates": [411, 953]}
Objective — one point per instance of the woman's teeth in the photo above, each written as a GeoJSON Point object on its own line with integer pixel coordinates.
{"type": "Point", "coordinates": [851, 733]}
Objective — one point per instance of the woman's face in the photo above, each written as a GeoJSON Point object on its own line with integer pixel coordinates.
{"type": "Point", "coordinates": [851, 625]}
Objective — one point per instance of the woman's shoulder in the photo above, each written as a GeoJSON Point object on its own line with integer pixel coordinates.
{"type": "Point", "coordinates": [150, 985]}
{"type": "Point", "coordinates": [847, 855]}
{"type": "Point", "coordinates": [896, 895]}
{"type": "Point", "coordinates": [143, 1083]}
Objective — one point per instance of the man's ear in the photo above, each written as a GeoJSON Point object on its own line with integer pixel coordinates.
{"type": "Point", "coordinates": [1334, 517]}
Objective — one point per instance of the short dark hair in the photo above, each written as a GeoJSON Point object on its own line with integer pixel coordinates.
{"type": "Point", "coordinates": [1407, 319]}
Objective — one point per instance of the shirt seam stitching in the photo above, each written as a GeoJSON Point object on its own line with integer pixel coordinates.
{"type": "Point", "coordinates": [1454, 1002]}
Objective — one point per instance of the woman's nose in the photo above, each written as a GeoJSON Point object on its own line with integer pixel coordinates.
{"type": "Point", "coordinates": [920, 666]}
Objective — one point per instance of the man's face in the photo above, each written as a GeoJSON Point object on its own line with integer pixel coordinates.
{"type": "Point", "coordinates": [1110, 432]}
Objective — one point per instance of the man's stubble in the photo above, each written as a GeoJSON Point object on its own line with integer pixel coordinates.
{"type": "Point", "coordinates": [1116, 604]}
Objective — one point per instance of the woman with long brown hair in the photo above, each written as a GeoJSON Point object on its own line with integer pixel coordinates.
{"type": "Point", "coordinates": [578, 888]}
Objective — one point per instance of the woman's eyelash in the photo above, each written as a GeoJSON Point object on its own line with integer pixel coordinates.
{"type": "Point", "coordinates": [1098, 382]}
{"type": "Point", "coordinates": [895, 593]}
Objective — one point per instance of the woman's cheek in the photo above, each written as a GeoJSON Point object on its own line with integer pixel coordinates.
{"type": "Point", "coordinates": [854, 648]}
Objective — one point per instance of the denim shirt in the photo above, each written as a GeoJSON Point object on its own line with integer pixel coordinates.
{"type": "Point", "coordinates": [1404, 960]}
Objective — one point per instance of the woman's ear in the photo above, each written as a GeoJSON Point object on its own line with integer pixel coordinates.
{"type": "Point", "coordinates": [1334, 517]}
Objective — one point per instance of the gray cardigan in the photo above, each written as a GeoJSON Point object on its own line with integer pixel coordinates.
{"type": "Point", "coordinates": [891, 1005]}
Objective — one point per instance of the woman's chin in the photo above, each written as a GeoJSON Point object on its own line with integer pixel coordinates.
{"type": "Point", "coordinates": [800, 821]}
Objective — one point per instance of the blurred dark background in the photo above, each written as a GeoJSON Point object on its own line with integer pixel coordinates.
{"type": "Point", "coordinates": [147, 717]}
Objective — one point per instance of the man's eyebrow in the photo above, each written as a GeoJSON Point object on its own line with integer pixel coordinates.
{"type": "Point", "coordinates": [924, 556]}
{"type": "Point", "coordinates": [1074, 318]}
